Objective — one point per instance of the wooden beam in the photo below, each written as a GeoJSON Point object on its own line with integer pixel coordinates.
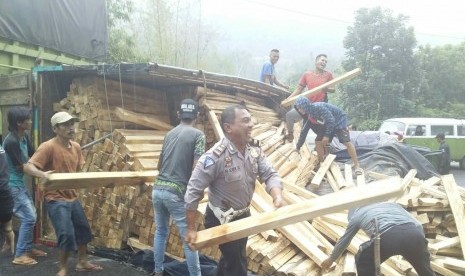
{"type": "Point", "coordinates": [316, 180]}
{"type": "Point", "coordinates": [345, 199]}
{"type": "Point", "coordinates": [92, 180]}
{"type": "Point", "coordinates": [447, 243]}
{"type": "Point", "coordinates": [347, 76]}
{"type": "Point", "coordinates": [455, 264]}
{"type": "Point", "coordinates": [349, 265]}
{"type": "Point", "coordinates": [141, 119]}
{"type": "Point", "coordinates": [456, 204]}
{"type": "Point", "coordinates": [215, 124]}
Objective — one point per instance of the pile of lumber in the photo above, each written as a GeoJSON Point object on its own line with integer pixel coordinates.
{"type": "Point", "coordinates": [124, 214]}
{"type": "Point", "coordinates": [103, 105]}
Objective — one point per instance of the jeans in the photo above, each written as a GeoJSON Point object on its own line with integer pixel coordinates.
{"type": "Point", "coordinates": [25, 211]}
{"type": "Point", "coordinates": [70, 223]}
{"type": "Point", "coordinates": [166, 203]}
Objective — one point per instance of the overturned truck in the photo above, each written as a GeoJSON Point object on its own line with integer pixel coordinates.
{"type": "Point", "coordinates": [129, 108]}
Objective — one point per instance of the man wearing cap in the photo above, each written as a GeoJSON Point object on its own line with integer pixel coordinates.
{"type": "Point", "coordinates": [62, 155]}
{"type": "Point", "coordinates": [331, 121]}
{"type": "Point", "coordinates": [230, 170]}
{"type": "Point", "coordinates": [444, 162]}
{"type": "Point", "coordinates": [181, 150]}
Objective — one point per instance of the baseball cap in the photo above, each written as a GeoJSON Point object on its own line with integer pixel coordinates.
{"type": "Point", "coordinates": [188, 109]}
{"type": "Point", "coordinates": [61, 117]}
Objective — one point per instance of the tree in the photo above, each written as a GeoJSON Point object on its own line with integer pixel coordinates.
{"type": "Point", "coordinates": [442, 71]}
{"type": "Point", "coordinates": [382, 46]}
{"type": "Point", "coordinates": [122, 45]}
{"type": "Point", "coordinates": [173, 33]}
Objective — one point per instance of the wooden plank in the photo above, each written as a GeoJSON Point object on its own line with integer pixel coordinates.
{"type": "Point", "coordinates": [316, 180]}
{"type": "Point", "coordinates": [437, 264]}
{"type": "Point", "coordinates": [269, 235]}
{"type": "Point", "coordinates": [337, 174]}
{"type": "Point", "coordinates": [92, 180]}
{"type": "Point", "coordinates": [294, 213]}
{"type": "Point", "coordinates": [348, 175]}
{"type": "Point", "coordinates": [347, 76]}
{"type": "Point", "coordinates": [140, 119]}
{"type": "Point", "coordinates": [294, 233]}
{"type": "Point", "coordinates": [215, 124]}
{"type": "Point", "coordinates": [349, 265]}
{"type": "Point", "coordinates": [447, 243]}
{"type": "Point", "coordinates": [456, 204]}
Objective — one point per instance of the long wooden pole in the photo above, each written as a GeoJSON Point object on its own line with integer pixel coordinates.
{"type": "Point", "coordinates": [347, 76]}
{"type": "Point", "coordinates": [92, 180]}
{"type": "Point", "coordinates": [330, 203]}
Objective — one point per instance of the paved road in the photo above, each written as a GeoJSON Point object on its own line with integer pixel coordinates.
{"type": "Point", "coordinates": [459, 174]}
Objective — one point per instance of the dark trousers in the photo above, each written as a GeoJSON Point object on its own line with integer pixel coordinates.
{"type": "Point", "coordinates": [233, 261]}
{"type": "Point", "coordinates": [405, 240]}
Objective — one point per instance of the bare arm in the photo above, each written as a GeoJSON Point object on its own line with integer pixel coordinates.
{"type": "Point", "coordinates": [278, 83]}
{"type": "Point", "coordinates": [191, 235]}
{"type": "Point", "coordinates": [297, 91]}
{"type": "Point", "coordinates": [267, 79]}
{"type": "Point", "coordinates": [32, 170]}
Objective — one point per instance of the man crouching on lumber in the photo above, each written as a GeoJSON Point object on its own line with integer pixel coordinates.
{"type": "Point", "coordinates": [326, 120]}
{"type": "Point", "coordinates": [400, 234]}
{"type": "Point", "coordinates": [229, 169]}
{"type": "Point", "coordinates": [62, 155]}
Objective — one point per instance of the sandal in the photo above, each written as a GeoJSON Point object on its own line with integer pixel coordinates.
{"type": "Point", "coordinates": [89, 268]}
{"type": "Point", "coordinates": [37, 253]}
{"type": "Point", "coordinates": [358, 171]}
{"type": "Point", "coordinates": [24, 260]}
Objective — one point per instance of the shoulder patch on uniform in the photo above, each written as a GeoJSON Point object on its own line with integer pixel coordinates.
{"type": "Point", "coordinates": [208, 162]}
{"type": "Point", "coordinates": [219, 149]}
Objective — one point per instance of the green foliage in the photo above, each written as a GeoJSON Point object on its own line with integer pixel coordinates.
{"type": "Point", "coordinates": [443, 69]}
{"type": "Point", "coordinates": [122, 45]}
{"type": "Point", "coordinates": [382, 46]}
{"type": "Point", "coordinates": [369, 125]}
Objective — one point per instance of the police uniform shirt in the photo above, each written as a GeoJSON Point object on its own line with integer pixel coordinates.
{"type": "Point", "coordinates": [230, 176]}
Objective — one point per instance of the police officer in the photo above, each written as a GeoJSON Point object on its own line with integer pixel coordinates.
{"type": "Point", "coordinates": [229, 169]}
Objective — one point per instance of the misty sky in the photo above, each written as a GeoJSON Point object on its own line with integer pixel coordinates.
{"type": "Point", "coordinates": [300, 28]}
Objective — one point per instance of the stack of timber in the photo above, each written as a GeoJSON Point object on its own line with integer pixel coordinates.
{"type": "Point", "coordinates": [103, 105]}
{"type": "Point", "coordinates": [124, 215]}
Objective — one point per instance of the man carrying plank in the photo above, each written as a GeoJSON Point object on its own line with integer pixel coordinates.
{"type": "Point", "coordinates": [400, 234]}
{"type": "Point", "coordinates": [62, 155]}
{"type": "Point", "coordinates": [229, 169]}
{"type": "Point", "coordinates": [331, 121]}
{"type": "Point", "coordinates": [310, 79]}
{"type": "Point", "coordinates": [181, 150]}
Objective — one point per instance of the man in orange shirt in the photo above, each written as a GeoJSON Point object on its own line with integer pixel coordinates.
{"type": "Point", "coordinates": [62, 155]}
{"type": "Point", "coordinates": [310, 79]}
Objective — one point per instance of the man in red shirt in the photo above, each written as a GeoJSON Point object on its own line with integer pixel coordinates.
{"type": "Point", "coordinates": [310, 79]}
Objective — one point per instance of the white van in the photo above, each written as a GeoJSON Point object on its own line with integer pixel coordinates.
{"type": "Point", "coordinates": [423, 131]}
